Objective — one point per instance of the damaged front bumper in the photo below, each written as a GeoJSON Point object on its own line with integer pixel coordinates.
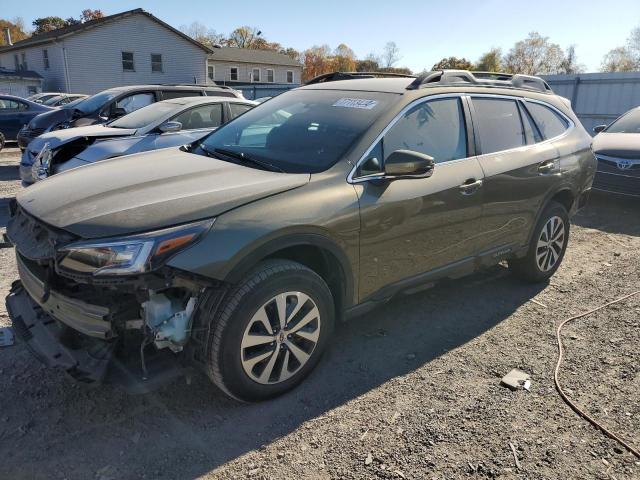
{"type": "Point", "coordinates": [85, 359]}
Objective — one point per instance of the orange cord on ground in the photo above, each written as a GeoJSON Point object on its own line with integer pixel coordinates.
{"type": "Point", "coordinates": [575, 408]}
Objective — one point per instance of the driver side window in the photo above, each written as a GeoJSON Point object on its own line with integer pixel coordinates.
{"type": "Point", "coordinates": [434, 127]}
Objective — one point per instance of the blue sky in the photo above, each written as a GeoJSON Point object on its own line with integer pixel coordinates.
{"type": "Point", "coordinates": [425, 31]}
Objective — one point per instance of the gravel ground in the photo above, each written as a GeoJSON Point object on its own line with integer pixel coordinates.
{"type": "Point", "coordinates": [409, 391]}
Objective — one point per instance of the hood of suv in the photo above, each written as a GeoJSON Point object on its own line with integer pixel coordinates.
{"type": "Point", "coordinates": [622, 145]}
{"type": "Point", "coordinates": [148, 191]}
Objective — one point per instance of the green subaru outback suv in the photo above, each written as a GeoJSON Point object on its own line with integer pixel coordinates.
{"type": "Point", "coordinates": [238, 254]}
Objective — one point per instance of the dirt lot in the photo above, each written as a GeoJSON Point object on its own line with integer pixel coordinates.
{"type": "Point", "coordinates": [410, 391]}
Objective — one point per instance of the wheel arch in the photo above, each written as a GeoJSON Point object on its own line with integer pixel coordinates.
{"type": "Point", "coordinates": [564, 195]}
{"type": "Point", "coordinates": [315, 251]}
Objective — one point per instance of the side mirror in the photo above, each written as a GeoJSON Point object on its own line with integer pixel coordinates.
{"type": "Point", "coordinates": [168, 127]}
{"type": "Point", "coordinates": [599, 128]}
{"type": "Point", "coordinates": [118, 112]}
{"type": "Point", "coordinates": [408, 164]}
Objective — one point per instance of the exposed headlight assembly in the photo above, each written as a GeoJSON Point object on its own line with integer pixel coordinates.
{"type": "Point", "coordinates": [41, 167]}
{"type": "Point", "coordinates": [129, 255]}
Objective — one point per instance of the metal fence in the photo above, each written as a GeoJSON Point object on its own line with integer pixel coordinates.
{"type": "Point", "coordinates": [598, 98]}
{"type": "Point", "coordinates": [253, 92]}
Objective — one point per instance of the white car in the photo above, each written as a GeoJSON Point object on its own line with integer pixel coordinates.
{"type": "Point", "coordinates": [163, 124]}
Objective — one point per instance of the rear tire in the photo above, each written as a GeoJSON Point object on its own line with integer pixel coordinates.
{"type": "Point", "coordinates": [2, 141]}
{"type": "Point", "coordinates": [547, 247]}
{"type": "Point", "coordinates": [258, 346]}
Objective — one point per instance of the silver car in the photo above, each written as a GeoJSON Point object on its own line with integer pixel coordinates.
{"type": "Point", "coordinates": [163, 124]}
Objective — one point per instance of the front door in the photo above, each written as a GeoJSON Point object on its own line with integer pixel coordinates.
{"type": "Point", "coordinates": [413, 226]}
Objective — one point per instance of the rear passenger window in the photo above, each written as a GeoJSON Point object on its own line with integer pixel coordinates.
{"type": "Point", "coordinates": [549, 122]}
{"type": "Point", "coordinates": [531, 131]}
{"type": "Point", "coordinates": [499, 126]}
{"type": "Point", "coordinates": [435, 128]}
{"type": "Point", "coordinates": [166, 95]}
{"type": "Point", "coordinates": [238, 109]}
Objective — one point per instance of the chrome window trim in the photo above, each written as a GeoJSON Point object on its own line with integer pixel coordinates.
{"type": "Point", "coordinates": [376, 176]}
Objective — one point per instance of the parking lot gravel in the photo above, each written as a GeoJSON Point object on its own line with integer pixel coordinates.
{"type": "Point", "coordinates": [409, 391]}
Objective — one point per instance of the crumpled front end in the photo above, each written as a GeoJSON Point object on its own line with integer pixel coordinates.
{"type": "Point", "coordinates": [130, 331]}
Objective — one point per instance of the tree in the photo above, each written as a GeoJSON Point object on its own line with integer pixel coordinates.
{"type": "Point", "coordinates": [344, 59]}
{"type": "Point", "coordinates": [570, 63]}
{"type": "Point", "coordinates": [293, 53]}
{"type": "Point", "coordinates": [534, 55]}
{"type": "Point", "coordinates": [619, 59]}
{"type": "Point", "coordinates": [243, 37]}
{"type": "Point", "coordinates": [371, 63]}
{"type": "Point", "coordinates": [201, 33]}
{"type": "Point", "coordinates": [453, 63]}
{"type": "Point", "coordinates": [17, 29]}
{"type": "Point", "coordinates": [317, 60]}
{"type": "Point", "coordinates": [390, 55]}
{"type": "Point", "coordinates": [490, 61]}
{"type": "Point", "coordinates": [89, 14]}
{"type": "Point", "coordinates": [46, 24]}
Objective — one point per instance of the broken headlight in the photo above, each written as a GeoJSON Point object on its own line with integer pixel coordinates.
{"type": "Point", "coordinates": [42, 163]}
{"type": "Point", "coordinates": [129, 255]}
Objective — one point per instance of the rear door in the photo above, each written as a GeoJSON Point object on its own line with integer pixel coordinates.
{"type": "Point", "coordinates": [411, 227]}
{"type": "Point", "coordinates": [13, 114]}
{"type": "Point", "coordinates": [520, 169]}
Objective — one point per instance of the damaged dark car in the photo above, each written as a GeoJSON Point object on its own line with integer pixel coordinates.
{"type": "Point", "coordinates": [236, 255]}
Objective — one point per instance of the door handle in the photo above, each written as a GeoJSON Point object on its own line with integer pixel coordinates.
{"type": "Point", "coordinates": [470, 186]}
{"type": "Point", "coordinates": [546, 167]}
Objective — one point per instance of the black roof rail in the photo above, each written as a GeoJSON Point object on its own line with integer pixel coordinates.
{"type": "Point", "coordinates": [335, 76]}
{"type": "Point", "coordinates": [204, 85]}
{"type": "Point", "coordinates": [480, 79]}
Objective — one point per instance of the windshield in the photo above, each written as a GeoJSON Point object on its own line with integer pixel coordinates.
{"type": "Point", "coordinates": [73, 103]}
{"type": "Point", "coordinates": [628, 123]}
{"type": "Point", "coordinates": [144, 116]}
{"type": "Point", "coordinates": [44, 98]}
{"type": "Point", "coordinates": [302, 131]}
{"type": "Point", "coordinates": [94, 102]}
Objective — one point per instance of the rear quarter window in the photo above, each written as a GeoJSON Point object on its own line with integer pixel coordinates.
{"type": "Point", "coordinates": [550, 123]}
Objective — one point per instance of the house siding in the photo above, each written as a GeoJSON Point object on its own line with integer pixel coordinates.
{"type": "Point", "coordinates": [95, 56]}
{"type": "Point", "coordinates": [54, 79]}
{"type": "Point", "coordinates": [223, 69]}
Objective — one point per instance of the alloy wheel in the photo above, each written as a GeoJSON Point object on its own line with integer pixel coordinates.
{"type": "Point", "coordinates": [280, 338]}
{"type": "Point", "coordinates": [550, 243]}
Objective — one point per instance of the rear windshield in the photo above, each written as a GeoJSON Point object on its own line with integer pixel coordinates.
{"type": "Point", "coordinates": [301, 131]}
{"type": "Point", "coordinates": [628, 123]}
{"type": "Point", "coordinates": [145, 116]}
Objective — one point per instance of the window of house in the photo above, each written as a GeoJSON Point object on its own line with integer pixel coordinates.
{"type": "Point", "coordinates": [16, 62]}
{"type": "Point", "coordinates": [238, 109]}
{"type": "Point", "coordinates": [549, 122]}
{"type": "Point", "coordinates": [206, 116]}
{"type": "Point", "coordinates": [211, 73]}
{"type": "Point", "coordinates": [270, 75]}
{"type": "Point", "coordinates": [127, 62]}
{"type": "Point", "coordinates": [45, 58]}
{"type": "Point", "coordinates": [32, 89]}
{"type": "Point", "coordinates": [233, 74]}
{"type": "Point", "coordinates": [156, 62]}
{"type": "Point", "coordinates": [435, 128]}
{"type": "Point", "coordinates": [255, 75]}
{"type": "Point", "coordinates": [289, 76]}
{"type": "Point", "coordinates": [499, 126]}
{"type": "Point", "coordinates": [24, 62]}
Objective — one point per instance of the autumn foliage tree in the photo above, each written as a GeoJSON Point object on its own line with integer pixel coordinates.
{"type": "Point", "coordinates": [453, 63]}
{"type": "Point", "coordinates": [16, 28]}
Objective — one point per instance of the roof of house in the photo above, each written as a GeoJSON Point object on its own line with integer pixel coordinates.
{"type": "Point", "coordinates": [59, 33]}
{"type": "Point", "coordinates": [19, 74]}
{"type": "Point", "coordinates": [247, 55]}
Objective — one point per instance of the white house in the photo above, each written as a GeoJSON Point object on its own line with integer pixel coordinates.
{"type": "Point", "coordinates": [135, 47]}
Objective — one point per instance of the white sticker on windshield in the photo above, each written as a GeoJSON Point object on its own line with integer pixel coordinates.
{"type": "Point", "coordinates": [356, 103]}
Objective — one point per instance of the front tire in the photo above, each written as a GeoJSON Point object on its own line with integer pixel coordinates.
{"type": "Point", "coordinates": [547, 247]}
{"type": "Point", "coordinates": [270, 331]}
{"type": "Point", "coordinates": [2, 141]}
